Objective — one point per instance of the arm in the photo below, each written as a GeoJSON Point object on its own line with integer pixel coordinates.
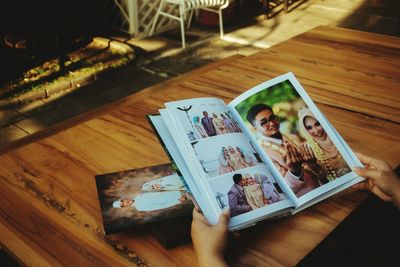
{"type": "Point", "coordinates": [312, 165]}
{"type": "Point", "coordinates": [209, 241]}
{"type": "Point", "coordinates": [235, 206]}
{"type": "Point", "coordinates": [293, 160]}
{"type": "Point", "coordinates": [381, 179]}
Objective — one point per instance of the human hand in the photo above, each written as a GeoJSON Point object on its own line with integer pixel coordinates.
{"type": "Point", "coordinates": [381, 179]}
{"type": "Point", "coordinates": [209, 241]}
{"type": "Point", "coordinates": [293, 159]}
{"type": "Point", "coordinates": [308, 155]}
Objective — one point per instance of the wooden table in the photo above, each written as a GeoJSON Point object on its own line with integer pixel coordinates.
{"type": "Point", "coordinates": [50, 213]}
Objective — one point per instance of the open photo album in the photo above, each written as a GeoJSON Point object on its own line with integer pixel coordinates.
{"type": "Point", "coordinates": [268, 153]}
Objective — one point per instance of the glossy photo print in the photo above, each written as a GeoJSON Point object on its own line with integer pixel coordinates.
{"type": "Point", "coordinates": [247, 190]}
{"type": "Point", "coordinates": [204, 120]}
{"type": "Point", "coordinates": [225, 154]}
{"type": "Point", "coordinates": [292, 136]}
{"type": "Point", "coordinates": [141, 196]}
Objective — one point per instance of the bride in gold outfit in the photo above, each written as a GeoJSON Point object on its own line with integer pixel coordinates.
{"type": "Point", "coordinates": [325, 151]}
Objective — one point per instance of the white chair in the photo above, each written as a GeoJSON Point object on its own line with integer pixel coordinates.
{"type": "Point", "coordinates": [186, 6]}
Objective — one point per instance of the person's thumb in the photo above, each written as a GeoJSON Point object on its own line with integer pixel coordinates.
{"type": "Point", "coordinates": [367, 173]}
{"type": "Point", "coordinates": [224, 218]}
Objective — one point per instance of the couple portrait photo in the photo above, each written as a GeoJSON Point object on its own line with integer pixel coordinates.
{"type": "Point", "coordinates": [141, 196]}
{"type": "Point", "coordinates": [293, 138]}
{"type": "Point", "coordinates": [225, 154]}
{"type": "Point", "coordinates": [246, 191]}
{"type": "Point", "coordinates": [207, 120]}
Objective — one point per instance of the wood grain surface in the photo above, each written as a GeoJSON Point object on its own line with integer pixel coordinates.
{"type": "Point", "coordinates": [49, 210]}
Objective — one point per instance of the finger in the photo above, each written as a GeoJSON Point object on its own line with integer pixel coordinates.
{"type": "Point", "coordinates": [223, 221]}
{"type": "Point", "coordinates": [285, 158]}
{"type": "Point", "coordinates": [303, 151]}
{"type": "Point", "coordinates": [361, 186]}
{"type": "Point", "coordinates": [196, 214]}
{"type": "Point", "coordinates": [370, 161]}
{"type": "Point", "coordinates": [198, 217]}
{"type": "Point", "coordinates": [364, 159]}
{"type": "Point", "coordinates": [289, 151]}
{"type": "Point", "coordinates": [297, 154]}
{"type": "Point", "coordinates": [312, 155]}
{"type": "Point", "coordinates": [285, 146]}
{"type": "Point", "coordinates": [368, 173]}
{"type": "Point", "coordinates": [225, 217]}
{"type": "Point", "coordinates": [306, 151]}
{"type": "Point", "coordinates": [369, 185]}
{"type": "Point", "coordinates": [293, 151]}
{"type": "Point", "coordinates": [374, 189]}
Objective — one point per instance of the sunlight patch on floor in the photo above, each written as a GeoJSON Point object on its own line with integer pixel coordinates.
{"type": "Point", "coordinates": [306, 16]}
{"type": "Point", "coordinates": [242, 41]}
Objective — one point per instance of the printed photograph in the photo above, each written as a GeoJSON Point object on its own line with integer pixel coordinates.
{"type": "Point", "coordinates": [206, 120]}
{"type": "Point", "coordinates": [141, 196]}
{"type": "Point", "coordinates": [292, 137]}
{"type": "Point", "coordinates": [246, 191]}
{"type": "Point", "coordinates": [225, 154]}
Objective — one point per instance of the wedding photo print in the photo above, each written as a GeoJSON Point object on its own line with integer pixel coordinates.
{"type": "Point", "coordinates": [140, 196]}
{"type": "Point", "coordinates": [225, 154]}
{"type": "Point", "coordinates": [206, 120]}
{"type": "Point", "coordinates": [242, 192]}
{"type": "Point", "coordinates": [290, 134]}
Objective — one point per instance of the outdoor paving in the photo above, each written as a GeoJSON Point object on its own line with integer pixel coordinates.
{"type": "Point", "coordinates": [161, 57]}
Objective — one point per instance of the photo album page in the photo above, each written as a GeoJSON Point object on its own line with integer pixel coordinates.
{"type": "Point", "coordinates": [296, 140]}
{"type": "Point", "coordinates": [223, 162]}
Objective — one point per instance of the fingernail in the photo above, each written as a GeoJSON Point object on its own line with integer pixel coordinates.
{"type": "Point", "coordinates": [356, 169]}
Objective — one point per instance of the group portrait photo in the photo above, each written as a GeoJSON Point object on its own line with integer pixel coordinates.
{"type": "Point", "coordinates": [225, 154]}
{"type": "Point", "coordinates": [206, 120]}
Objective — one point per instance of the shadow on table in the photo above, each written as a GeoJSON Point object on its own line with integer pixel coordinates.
{"type": "Point", "coordinates": [369, 236]}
